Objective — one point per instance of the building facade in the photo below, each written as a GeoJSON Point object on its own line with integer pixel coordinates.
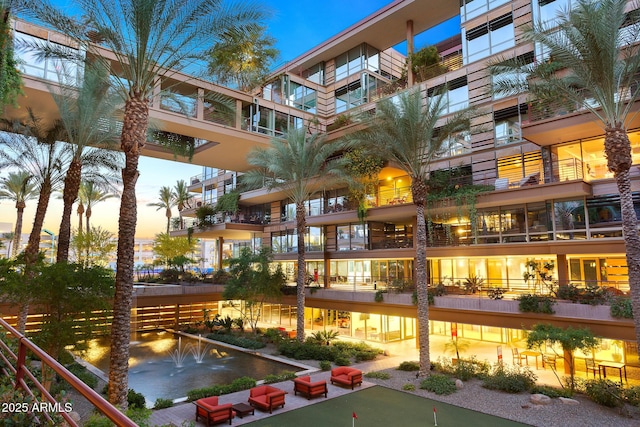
{"type": "Point", "coordinates": [551, 213]}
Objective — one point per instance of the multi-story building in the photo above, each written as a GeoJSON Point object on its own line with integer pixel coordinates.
{"type": "Point", "coordinates": [553, 206]}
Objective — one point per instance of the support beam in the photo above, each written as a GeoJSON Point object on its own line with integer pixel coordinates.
{"type": "Point", "coordinates": [410, 48]}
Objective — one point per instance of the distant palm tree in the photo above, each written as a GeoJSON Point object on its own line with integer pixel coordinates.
{"type": "Point", "coordinates": [166, 200]}
{"type": "Point", "coordinates": [149, 40]}
{"type": "Point", "coordinates": [90, 194]}
{"type": "Point", "coordinates": [182, 196]}
{"type": "Point", "coordinates": [87, 113]}
{"type": "Point", "coordinates": [593, 64]}
{"type": "Point", "coordinates": [32, 145]}
{"type": "Point", "coordinates": [411, 132]}
{"type": "Point", "coordinates": [18, 187]}
{"type": "Point", "coordinates": [298, 165]}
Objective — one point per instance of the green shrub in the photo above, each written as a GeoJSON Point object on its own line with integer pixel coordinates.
{"type": "Point", "coordinates": [569, 292]}
{"type": "Point", "coordinates": [140, 416]}
{"type": "Point", "coordinates": [604, 392]}
{"type": "Point", "coordinates": [552, 392]}
{"type": "Point", "coordinates": [162, 403]}
{"type": "Point", "coordinates": [463, 369]}
{"type": "Point", "coordinates": [632, 395]}
{"type": "Point", "coordinates": [530, 303]}
{"type": "Point", "coordinates": [409, 387]}
{"type": "Point", "coordinates": [239, 341]}
{"type": "Point", "coordinates": [239, 384]}
{"type": "Point", "coordinates": [409, 366]}
{"type": "Point", "coordinates": [273, 335]}
{"type": "Point", "coordinates": [272, 378]}
{"type": "Point", "coordinates": [379, 296]}
{"type": "Point", "coordinates": [438, 384]}
{"type": "Point", "coordinates": [325, 365]}
{"type": "Point", "coordinates": [136, 400]}
{"type": "Point", "coordinates": [83, 374]}
{"type": "Point", "coordinates": [311, 350]}
{"type": "Point", "coordinates": [97, 420]}
{"type": "Point", "coordinates": [378, 375]}
{"type": "Point", "coordinates": [342, 361]}
{"type": "Point", "coordinates": [621, 308]}
{"type": "Point", "coordinates": [511, 380]}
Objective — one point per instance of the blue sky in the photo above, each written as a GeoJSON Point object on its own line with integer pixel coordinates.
{"type": "Point", "coordinates": [297, 27]}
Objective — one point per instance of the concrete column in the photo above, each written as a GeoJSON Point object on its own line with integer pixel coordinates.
{"type": "Point", "coordinates": [238, 124]}
{"type": "Point", "coordinates": [563, 270]}
{"type": "Point", "coordinates": [410, 50]}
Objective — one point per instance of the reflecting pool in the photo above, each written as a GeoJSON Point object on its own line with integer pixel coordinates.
{"type": "Point", "coordinates": [167, 365]}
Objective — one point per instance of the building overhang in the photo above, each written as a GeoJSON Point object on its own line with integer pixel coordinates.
{"type": "Point", "coordinates": [384, 28]}
{"type": "Point", "coordinates": [228, 231]}
{"type": "Point", "coordinates": [565, 127]}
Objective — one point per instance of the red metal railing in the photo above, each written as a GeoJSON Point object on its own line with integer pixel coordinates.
{"type": "Point", "coordinates": [22, 373]}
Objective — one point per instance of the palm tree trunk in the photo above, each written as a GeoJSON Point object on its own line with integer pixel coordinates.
{"type": "Point", "coordinates": [33, 248]}
{"type": "Point", "coordinates": [136, 118]}
{"type": "Point", "coordinates": [80, 213]}
{"type": "Point", "coordinates": [69, 196]}
{"type": "Point", "coordinates": [619, 160]}
{"type": "Point", "coordinates": [87, 234]}
{"type": "Point", "coordinates": [301, 227]}
{"type": "Point", "coordinates": [17, 235]}
{"type": "Point", "coordinates": [419, 191]}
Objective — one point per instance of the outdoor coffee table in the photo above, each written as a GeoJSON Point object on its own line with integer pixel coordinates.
{"type": "Point", "coordinates": [242, 409]}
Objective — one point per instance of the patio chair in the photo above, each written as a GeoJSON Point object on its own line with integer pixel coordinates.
{"type": "Point", "coordinates": [590, 366]}
{"type": "Point", "coordinates": [517, 357]}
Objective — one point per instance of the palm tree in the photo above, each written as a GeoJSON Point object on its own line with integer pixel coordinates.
{"type": "Point", "coordinates": [18, 187]}
{"type": "Point", "coordinates": [598, 72]}
{"type": "Point", "coordinates": [411, 133]}
{"type": "Point", "coordinates": [182, 197]}
{"type": "Point", "coordinates": [33, 146]}
{"type": "Point", "coordinates": [81, 109]}
{"type": "Point", "coordinates": [10, 79]}
{"type": "Point", "coordinates": [298, 165]}
{"type": "Point", "coordinates": [166, 200]}
{"type": "Point", "coordinates": [149, 40]}
{"type": "Point", "coordinates": [89, 194]}
{"type": "Point", "coordinates": [242, 58]}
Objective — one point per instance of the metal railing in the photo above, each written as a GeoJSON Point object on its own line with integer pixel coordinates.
{"type": "Point", "coordinates": [16, 366]}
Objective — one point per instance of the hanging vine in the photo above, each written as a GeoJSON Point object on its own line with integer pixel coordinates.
{"type": "Point", "coordinates": [363, 167]}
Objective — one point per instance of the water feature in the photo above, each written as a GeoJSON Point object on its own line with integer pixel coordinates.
{"type": "Point", "coordinates": [160, 364]}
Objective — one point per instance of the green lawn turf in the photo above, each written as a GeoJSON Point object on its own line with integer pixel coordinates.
{"type": "Point", "coordinates": [381, 406]}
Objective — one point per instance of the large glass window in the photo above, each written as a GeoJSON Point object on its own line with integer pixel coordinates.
{"type": "Point", "coordinates": [287, 241]}
{"type": "Point", "coordinates": [456, 95]}
{"type": "Point", "coordinates": [52, 69]}
{"type": "Point", "coordinates": [570, 219]}
{"type": "Point", "coordinates": [349, 96]}
{"type": "Point", "coordinates": [507, 124]}
{"type": "Point", "coordinates": [472, 8]}
{"type": "Point", "coordinates": [487, 39]}
{"type": "Point", "coordinates": [352, 237]}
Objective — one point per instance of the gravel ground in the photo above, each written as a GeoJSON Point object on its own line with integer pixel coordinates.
{"type": "Point", "coordinates": [517, 407]}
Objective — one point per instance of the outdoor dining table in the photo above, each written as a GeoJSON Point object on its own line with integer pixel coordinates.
{"type": "Point", "coordinates": [602, 369]}
{"type": "Point", "coordinates": [532, 353]}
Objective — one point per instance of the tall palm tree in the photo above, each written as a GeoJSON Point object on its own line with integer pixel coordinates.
{"type": "Point", "coordinates": [150, 39]}
{"type": "Point", "coordinates": [411, 133]}
{"type": "Point", "coordinates": [87, 113]}
{"type": "Point", "coordinates": [298, 165]}
{"type": "Point", "coordinates": [591, 49]}
{"type": "Point", "coordinates": [166, 200]}
{"type": "Point", "coordinates": [18, 187]}
{"type": "Point", "coordinates": [32, 145]}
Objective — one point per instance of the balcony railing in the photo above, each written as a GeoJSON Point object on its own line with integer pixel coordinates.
{"type": "Point", "coordinates": [16, 366]}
